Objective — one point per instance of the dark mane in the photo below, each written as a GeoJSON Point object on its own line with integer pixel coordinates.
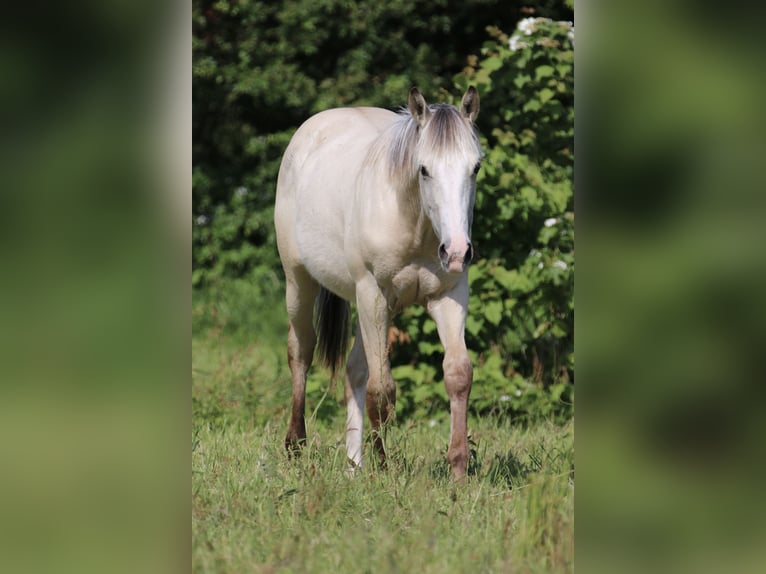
{"type": "Point", "coordinates": [405, 145]}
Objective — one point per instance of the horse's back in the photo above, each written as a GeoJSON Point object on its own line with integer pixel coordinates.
{"type": "Point", "coordinates": [330, 141]}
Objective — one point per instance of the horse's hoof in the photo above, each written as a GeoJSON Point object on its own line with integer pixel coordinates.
{"type": "Point", "coordinates": [294, 446]}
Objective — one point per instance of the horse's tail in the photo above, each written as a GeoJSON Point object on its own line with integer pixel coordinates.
{"type": "Point", "coordinates": [333, 329]}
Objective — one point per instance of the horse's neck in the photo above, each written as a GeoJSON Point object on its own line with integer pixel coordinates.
{"type": "Point", "coordinates": [413, 216]}
{"type": "Point", "coordinates": [392, 154]}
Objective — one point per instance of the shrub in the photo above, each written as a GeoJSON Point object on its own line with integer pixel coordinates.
{"type": "Point", "coordinates": [520, 327]}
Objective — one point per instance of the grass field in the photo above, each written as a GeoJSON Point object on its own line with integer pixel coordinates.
{"type": "Point", "coordinates": [254, 510]}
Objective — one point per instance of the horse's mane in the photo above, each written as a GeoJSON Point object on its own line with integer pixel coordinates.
{"type": "Point", "coordinates": [404, 144]}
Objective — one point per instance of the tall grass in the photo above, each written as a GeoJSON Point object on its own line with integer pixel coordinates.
{"type": "Point", "coordinates": [255, 510]}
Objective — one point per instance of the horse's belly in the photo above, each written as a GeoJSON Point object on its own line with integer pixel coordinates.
{"type": "Point", "coordinates": [322, 255]}
{"type": "Point", "coordinates": [320, 232]}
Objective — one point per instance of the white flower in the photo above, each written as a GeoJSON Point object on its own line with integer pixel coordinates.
{"type": "Point", "coordinates": [527, 25]}
{"type": "Point", "coordinates": [534, 253]}
{"type": "Point", "coordinates": [516, 44]}
{"type": "Point", "coordinates": [570, 35]}
{"type": "Point", "coordinates": [540, 265]}
{"type": "Point", "coordinates": [201, 220]}
{"type": "Point", "coordinates": [240, 191]}
{"type": "Point", "coordinates": [505, 398]}
{"type": "Point", "coordinates": [550, 222]}
{"type": "Point", "coordinates": [432, 423]}
{"type": "Point", "coordinates": [560, 264]}
{"type": "Point", "coordinates": [518, 392]}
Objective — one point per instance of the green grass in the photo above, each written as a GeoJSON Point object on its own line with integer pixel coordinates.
{"type": "Point", "coordinates": [255, 510]}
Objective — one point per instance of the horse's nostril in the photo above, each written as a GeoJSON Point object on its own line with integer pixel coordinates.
{"type": "Point", "coordinates": [443, 252]}
{"type": "Point", "coordinates": [468, 254]}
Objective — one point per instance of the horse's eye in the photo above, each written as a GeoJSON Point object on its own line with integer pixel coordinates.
{"type": "Point", "coordinates": [476, 168]}
{"type": "Point", "coordinates": [423, 171]}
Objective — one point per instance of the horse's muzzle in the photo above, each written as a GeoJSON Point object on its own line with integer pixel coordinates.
{"type": "Point", "coordinates": [456, 260]}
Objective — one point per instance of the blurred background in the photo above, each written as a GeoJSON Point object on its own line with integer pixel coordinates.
{"type": "Point", "coordinates": [670, 196]}
{"type": "Point", "coordinates": [96, 151]}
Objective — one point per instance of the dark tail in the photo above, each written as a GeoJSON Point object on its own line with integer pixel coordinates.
{"type": "Point", "coordinates": [333, 329]}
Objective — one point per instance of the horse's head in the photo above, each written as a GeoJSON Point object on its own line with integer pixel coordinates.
{"type": "Point", "coordinates": [448, 158]}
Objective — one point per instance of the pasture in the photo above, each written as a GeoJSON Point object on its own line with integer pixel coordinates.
{"type": "Point", "coordinates": [254, 510]}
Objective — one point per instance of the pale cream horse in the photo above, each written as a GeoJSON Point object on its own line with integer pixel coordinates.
{"type": "Point", "coordinates": [375, 208]}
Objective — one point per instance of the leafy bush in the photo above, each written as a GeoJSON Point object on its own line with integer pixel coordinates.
{"type": "Point", "coordinates": [520, 328]}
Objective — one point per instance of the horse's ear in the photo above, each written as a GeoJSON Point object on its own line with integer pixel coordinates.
{"type": "Point", "coordinates": [418, 107]}
{"type": "Point", "coordinates": [469, 107]}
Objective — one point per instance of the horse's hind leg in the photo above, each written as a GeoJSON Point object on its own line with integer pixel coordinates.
{"type": "Point", "coordinates": [356, 384]}
{"type": "Point", "coordinates": [301, 291]}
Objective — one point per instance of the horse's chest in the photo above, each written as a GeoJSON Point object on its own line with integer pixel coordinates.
{"type": "Point", "coordinates": [417, 284]}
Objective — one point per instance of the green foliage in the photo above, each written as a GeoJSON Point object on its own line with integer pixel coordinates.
{"type": "Point", "coordinates": [520, 328]}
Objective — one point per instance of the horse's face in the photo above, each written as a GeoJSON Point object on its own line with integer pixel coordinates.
{"type": "Point", "coordinates": [448, 161]}
{"type": "Point", "coordinates": [447, 192]}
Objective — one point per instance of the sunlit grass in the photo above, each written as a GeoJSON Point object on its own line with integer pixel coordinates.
{"type": "Point", "coordinates": [255, 510]}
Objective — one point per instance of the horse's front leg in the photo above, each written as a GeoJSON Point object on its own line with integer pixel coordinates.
{"type": "Point", "coordinates": [449, 313]}
{"type": "Point", "coordinates": [372, 308]}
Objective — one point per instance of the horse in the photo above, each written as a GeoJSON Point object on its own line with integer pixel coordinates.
{"type": "Point", "coordinates": [375, 207]}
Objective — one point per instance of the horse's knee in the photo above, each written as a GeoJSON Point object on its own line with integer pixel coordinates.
{"type": "Point", "coordinates": [458, 375]}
